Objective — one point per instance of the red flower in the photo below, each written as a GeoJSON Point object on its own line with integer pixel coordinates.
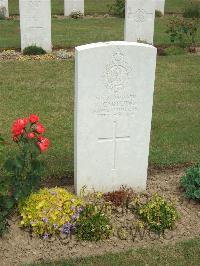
{"type": "Point", "coordinates": [40, 129]}
{"type": "Point", "coordinates": [33, 118]}
{"type": "Point", "coordinates": [25, 121]}
{"type": "Point", "coordinates": [18, 126]}
{"type": "Point", "coordinates": [30, 135]}
{"type": "Point", "coordinates": [43, 143]}
{"type": "Point", "coordinates": [40, 138]}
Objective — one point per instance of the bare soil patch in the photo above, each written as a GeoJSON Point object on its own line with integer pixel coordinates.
{"type": "Point", "coordinates": [18, 247]}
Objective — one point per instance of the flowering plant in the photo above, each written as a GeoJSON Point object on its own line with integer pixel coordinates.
{"type": "Point", "coordinates": [183, 31]}
{"type": "Point", "coordinates": [25, 168]}
{"type": "Point", "coordinates": [93, 224]}
{"type": "Point", "coordinates": [157, 213]}
{"type": "Point", "coordinates": [50, 211]}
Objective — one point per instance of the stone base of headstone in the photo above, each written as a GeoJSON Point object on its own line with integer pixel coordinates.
{"type": "Point", "coordinates": [73, 6]}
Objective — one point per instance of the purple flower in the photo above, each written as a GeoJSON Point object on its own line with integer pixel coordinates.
{"type": "Point", "coordinates": [75, 216]}
{"type": "Point", "coordinates": [45, 220]}
{"type": "Point", "coordinates": [45, 236]}
{"type": "Point", "coordinates": [67, 228]}
{"type": "Point", "coordinates": [72, 207]}
{"type": "Point", "coordinates": [80, 209]}
{"type": "Point", "coordinates": [52, 192]}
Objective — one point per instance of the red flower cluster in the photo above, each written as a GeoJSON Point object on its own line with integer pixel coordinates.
{"type": "Point", "coordinates": [19, 130]}
{"type": "Point", "coordinates": [19, 126]}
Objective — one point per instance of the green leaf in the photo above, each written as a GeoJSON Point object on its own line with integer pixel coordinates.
{"type": "Point", "coordinates": [197, 180]}
{"type": "Point", "coordinates": [9, 203]}
{"type": "Point", "coordinates": [197, 194]}
{"type": "Point", "coordinates": [9, 165]}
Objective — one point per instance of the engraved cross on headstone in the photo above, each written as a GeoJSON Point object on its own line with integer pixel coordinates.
{"type": "Point", "coordinates": [115, 138]}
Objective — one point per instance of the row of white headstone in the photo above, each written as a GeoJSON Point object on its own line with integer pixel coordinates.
{"type": "Point", "coordinates": [69, 6]}
{"type": "Point", "coordinates": [113, 105]}
{"type": "Point", "coordinates": [35, 22]}
{"type": "Point", "coordinates": [78, 5]}
{"type": "Point", "coordinates": [114, 85]}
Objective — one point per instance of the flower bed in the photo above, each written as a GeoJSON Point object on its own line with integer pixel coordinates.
{"type": "Point", "coordinates": [28, 247]}
{"type": "Point", "coordinates": [61, 54]}
{"type": "Point", "coordinates": [121, 217]}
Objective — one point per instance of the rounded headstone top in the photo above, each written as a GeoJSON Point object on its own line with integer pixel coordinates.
{"type": "Point", "coordinates": [113, 43]}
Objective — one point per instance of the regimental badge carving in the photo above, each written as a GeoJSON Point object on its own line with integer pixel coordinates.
{"type": "Point", "coordinates": [117, 98]}
{"type": "Point", "coordinates": [139, 16]}
{"type": "Point", "coordinates": [117, 73]}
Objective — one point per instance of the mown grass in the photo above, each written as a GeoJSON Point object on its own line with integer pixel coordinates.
{"type": "Point", "coordinates": [98, 6]}
{"type": "Point", "coordinates": [69, 32]}
{"type": "Point", "coordinates": [44, 88]}
{"type": "Point", "coordinates": [57, 6]}
{"type": "Point", "coordinates": [176, 5]}
{"type": "Point", "coordinates": [175, 129]}
{"type": "Point", "coordinates": [47, 88]}
{"type": "Point", "coordinates": [182, 254]}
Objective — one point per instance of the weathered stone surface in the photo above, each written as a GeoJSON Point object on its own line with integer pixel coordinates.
{"type": "Point", "coordinates": [114, 84]}
{"type": "Point", "coordinates": [35, 23]}
{"type": "Point", "coordinates": [73, 5]}
{"type": "Point", "coordinates": [4, 7]}
{"type": "Point", "coordinates": [160, 6]}
{"type": "Point", "coordinates": [139, 21]}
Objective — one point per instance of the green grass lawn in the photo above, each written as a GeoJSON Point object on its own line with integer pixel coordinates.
{"type": "Point", "coordinates": [182, 254]}
{"type": "Point", "coordinates": [91, 6]}
{"type": "Point", "coordinates": [47, 88]}
{"type": "Point", "coordinates": [98, 6]}
{"type": "Point", "coordinates": [69, 32]}
{"type": "Point", "coordinates": [176, 5]}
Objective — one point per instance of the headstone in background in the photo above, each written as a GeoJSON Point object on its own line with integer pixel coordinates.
{"type": "Point", "coordinates": [4, 7]}
{"type": "Point", "coordinates": [73, 6]}
{"type": "Point", "coordinates": [35, 23]}
{"type": "Point", "coordinates": [160, 6]}
{"type": "Point", "coordinates": [139, 21]}
{"type": "Point", "coordinates": [114, 85]}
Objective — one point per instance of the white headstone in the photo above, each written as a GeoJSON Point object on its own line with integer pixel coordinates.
{"type": "Point", "coordinates": [160, 5]}
{"type": "Point", "coordinates": [73, 5]}
{"type": "Point", "coordinates": [35, 23]}
{"type": "Point", "coordinates": [139, 21]}
{"type": "Point", "coordinates": [114, 84]}
{"type": "Point", "coordinates": [4, 5]}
